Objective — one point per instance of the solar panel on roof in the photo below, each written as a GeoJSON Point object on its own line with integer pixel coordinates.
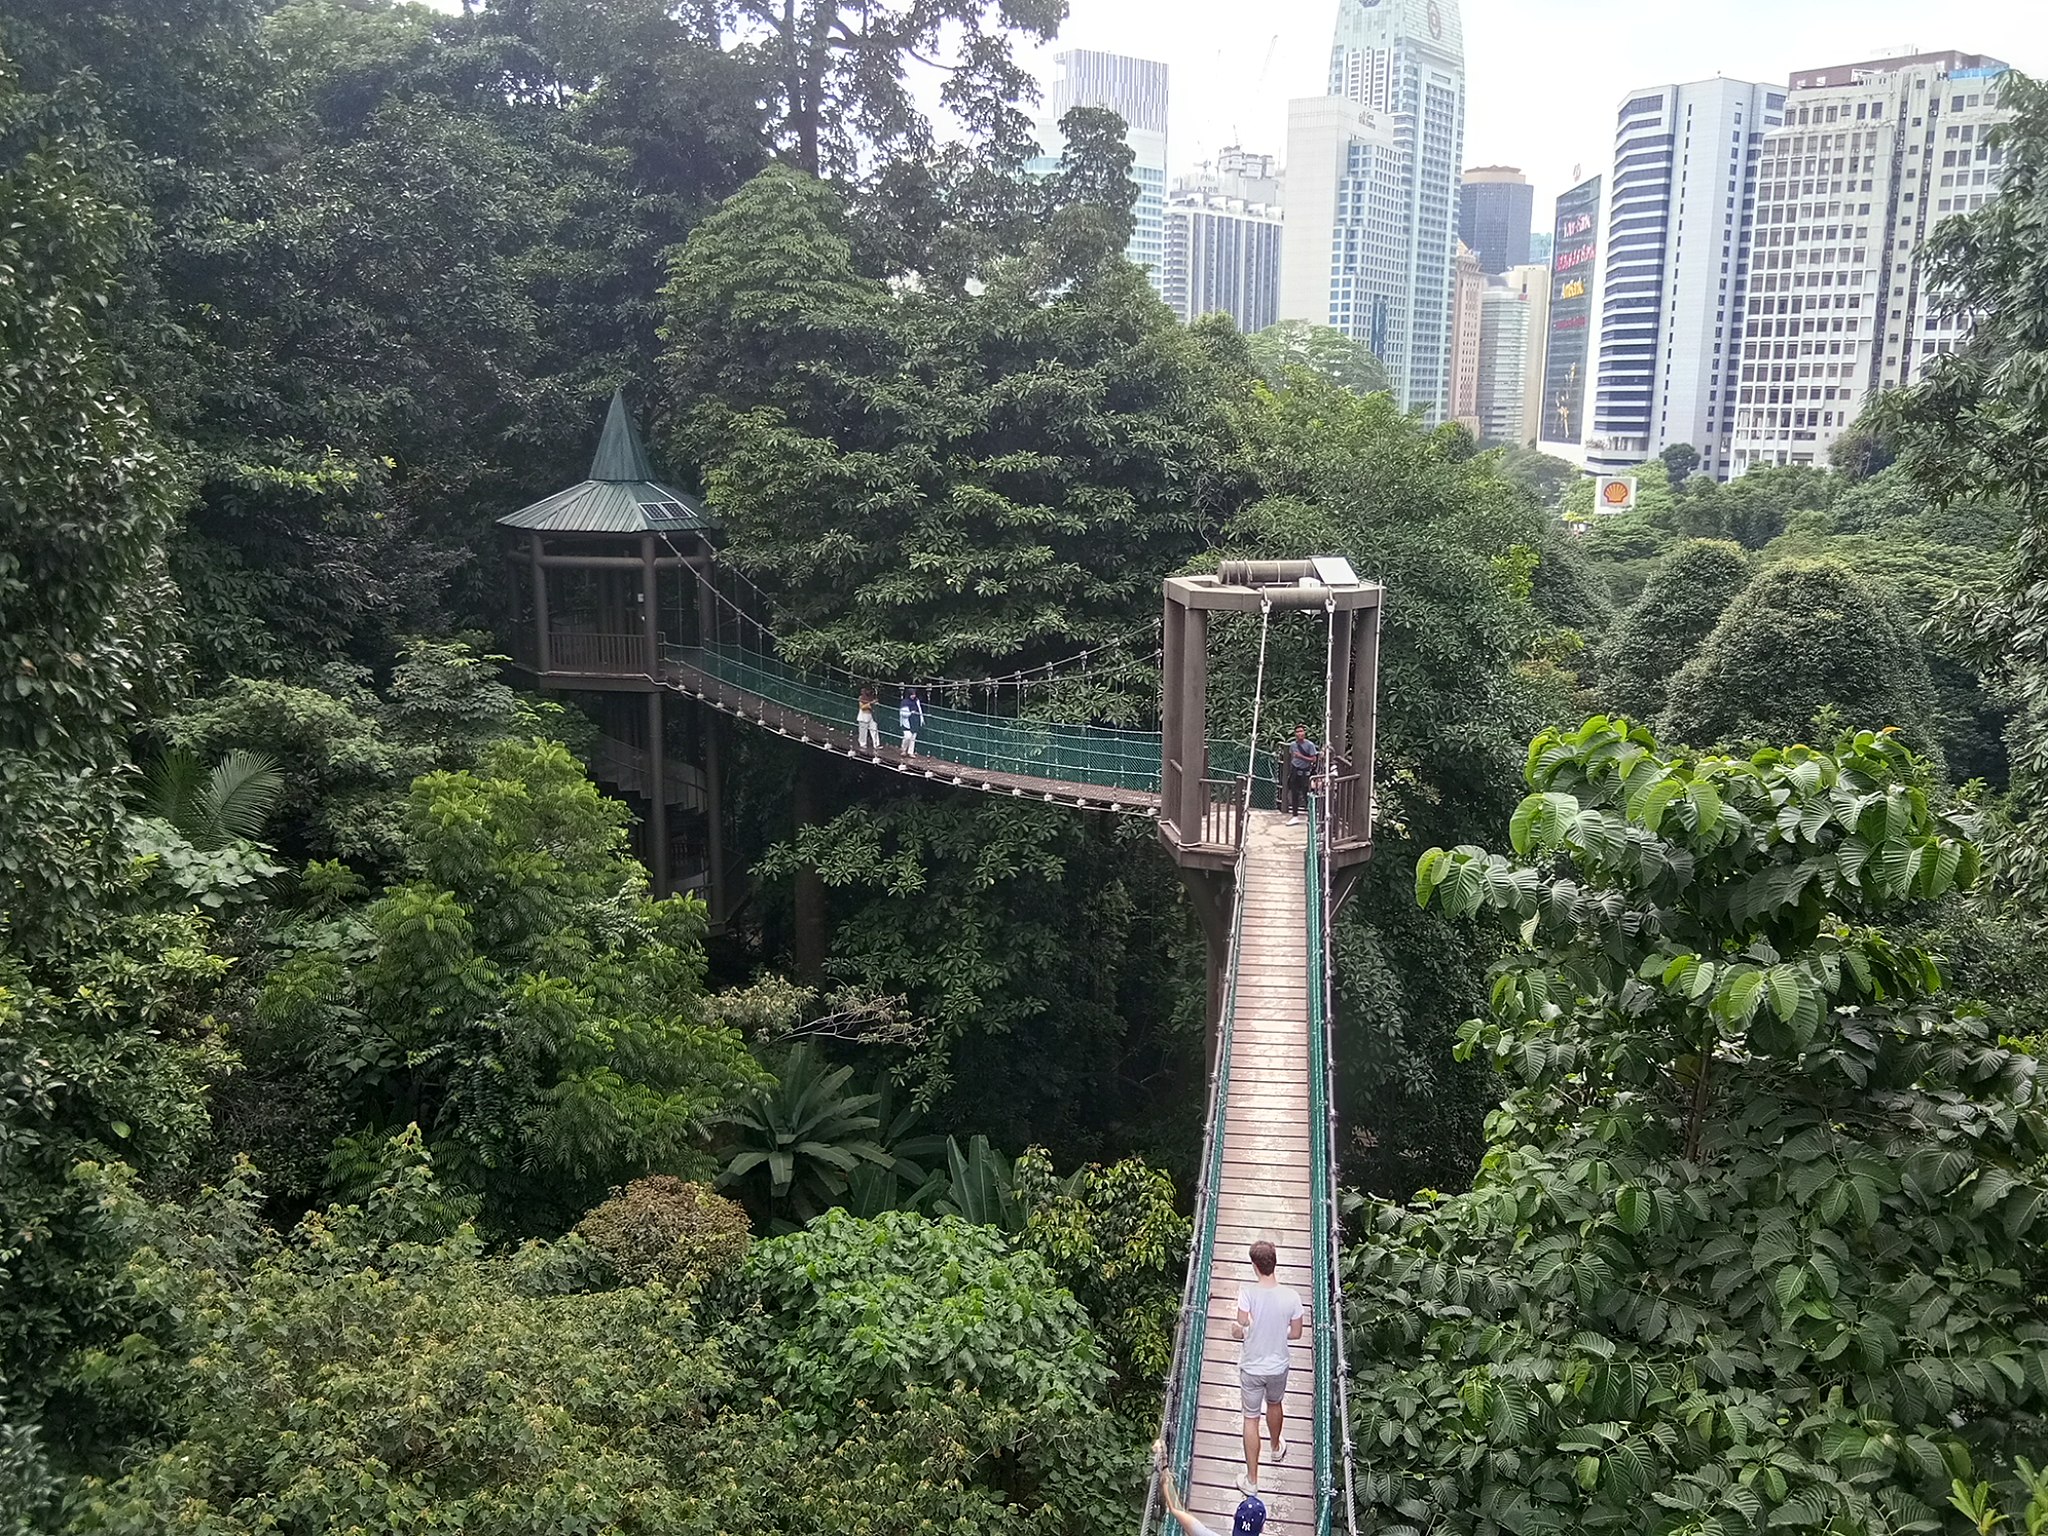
{"type": "Point", "coordinates": [656, 508]}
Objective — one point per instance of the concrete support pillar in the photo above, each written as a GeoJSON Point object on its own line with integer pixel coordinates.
{"type": "Point", "coordinates": [1339, 743]}
{"type": "Point", "coordinates": [1365, 680]}
{"type": "Point", "coordinates": [1192, 699]}
{"type": "Point", "coordinates": [1173, 769]}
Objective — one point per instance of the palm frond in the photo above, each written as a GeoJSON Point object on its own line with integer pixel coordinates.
{"type": "Point", "coordinates": [241, 792]}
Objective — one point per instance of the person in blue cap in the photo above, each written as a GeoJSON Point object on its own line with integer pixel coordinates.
{"type": "Point", "coordinates": [1249, 1520]}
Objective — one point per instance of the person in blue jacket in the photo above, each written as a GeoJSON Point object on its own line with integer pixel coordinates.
{"type": "Point", "coordinates": [911, 716]}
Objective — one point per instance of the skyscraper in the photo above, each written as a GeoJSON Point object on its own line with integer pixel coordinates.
{"type": "Point", "coordinates": [1503, 355]}
{"type": "Point", "coordinates": [1344, 261]}
{"type": "Point", "coordinates": [1405, 59]}
{"type": "Point", "coordinates": [1531, 281]}
{"type": "Point", "coordinates": [1495, 205]}
{"type": "Point", "coordinates": [1223, 241]}
{"type": "Point", "coordinates": [1685, 159]}
{"type": "Point", "coordinates": [1871, 157]}
{"type": "Point", "coordinates": [1134, 89]}
{"type": "Point", "coordinates": [1574, 277]}
{"type": "Point", "coordinates": [1468, 297]}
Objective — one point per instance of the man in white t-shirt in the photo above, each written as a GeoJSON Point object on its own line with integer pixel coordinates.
{"type": "Point", "coordinates": [1269, 1317]}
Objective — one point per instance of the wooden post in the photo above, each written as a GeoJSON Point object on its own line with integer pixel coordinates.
{"type": "Point", "coordinates": [657, 793]}
{"type": "Point", "coordinates": [808, 941]}
{"type": "Point", "coordinates": [1209, 892]}
{"type": "Point", "coordinates": [714, 815]}
{"type": "Point", "coordinates": [540, 606]}
{"type": "Point", "coordinates": [650, 617]}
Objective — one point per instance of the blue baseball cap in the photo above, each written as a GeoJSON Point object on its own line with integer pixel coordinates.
{"type": "Point", "coordinates": [1250, 1518]}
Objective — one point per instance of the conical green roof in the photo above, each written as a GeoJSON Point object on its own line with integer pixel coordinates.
{"type": "Point", "coordinates": [621, 495]}
{"type": "Point", "coordinates": [619, 454]}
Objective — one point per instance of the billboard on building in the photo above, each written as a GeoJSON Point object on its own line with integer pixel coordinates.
{"type": "Point", "coordinates": [1574, 270]}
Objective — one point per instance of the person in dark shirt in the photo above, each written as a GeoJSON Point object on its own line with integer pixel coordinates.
{"type": "Point", "coordinates": [1250, 1519]}
{"type": "Point", "coordinates": [1304, 757]}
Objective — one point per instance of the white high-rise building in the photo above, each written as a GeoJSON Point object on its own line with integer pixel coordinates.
{"type": "Point", "coordinates": [1870, 158]}
{"type": "Point", "coordinates": [1503, 361]}
{"type": "Point", "coordinates": [1343, 263]}
{"type": "Point", "coordinates": [1134, 89]}
{"type": "Point", "coordinates": [1222, 256]}
{"type": "Point", "coordinates": [1514, 319]}
{"type": "Point", "coordinates": [1468, 302]}
{"type": "Point", "coordinates": [1405, 61]}
{"type": "Point", "coordinates": [1407, 58]}
{"type": "Point", "coordinates": [1679, 210]}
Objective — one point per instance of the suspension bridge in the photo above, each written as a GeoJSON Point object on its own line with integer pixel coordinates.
{"type": "Point", "coordinates": [1269, 1158]}
{"type": "Point", "coordinates": [1265, 886]}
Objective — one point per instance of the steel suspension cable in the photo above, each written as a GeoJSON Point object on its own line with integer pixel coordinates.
{"type": "Point", "coordinates": [1333, 1369]}
{"type": "Point", "coordinates": [1191, 1332]}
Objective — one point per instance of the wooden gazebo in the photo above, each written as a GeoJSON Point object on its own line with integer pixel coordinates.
{"type": "Point", "coordinates": [605, 575]}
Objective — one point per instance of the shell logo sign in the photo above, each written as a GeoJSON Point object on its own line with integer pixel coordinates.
{"type": "Point", "coordinates": [1615, 493]}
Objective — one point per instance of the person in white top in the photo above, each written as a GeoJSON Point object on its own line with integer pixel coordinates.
{"type": "Point", "coordinates": [1269, 1318]}
{"type": "Point", "coordinates": [870, 733]}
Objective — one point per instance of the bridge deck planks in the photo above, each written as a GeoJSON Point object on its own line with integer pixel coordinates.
{"type": "Point", "coordinates": [1265, 1190]}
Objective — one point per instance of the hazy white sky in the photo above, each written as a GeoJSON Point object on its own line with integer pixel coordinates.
{"type": "Point", "coordinates": [1543, 77]}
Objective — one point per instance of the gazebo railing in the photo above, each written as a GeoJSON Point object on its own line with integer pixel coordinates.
{"type": "Point", "coordinates": [583, 651]}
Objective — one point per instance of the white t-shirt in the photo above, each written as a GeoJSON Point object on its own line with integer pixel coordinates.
{"type": "Point", "coordinates": [1273, 1309]}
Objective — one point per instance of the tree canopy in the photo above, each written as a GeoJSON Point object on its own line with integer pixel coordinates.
{"type": "Point", "coordinates": [1803, 638]}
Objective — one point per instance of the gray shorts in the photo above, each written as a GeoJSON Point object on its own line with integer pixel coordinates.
{"type": "Point", "coordinates": [1260, 1388]}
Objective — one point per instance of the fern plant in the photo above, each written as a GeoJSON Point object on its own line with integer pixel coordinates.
{"type": "Point", "coordinates": [796, 1147]}
{"type": "Point", "coordinates": [213, 807]}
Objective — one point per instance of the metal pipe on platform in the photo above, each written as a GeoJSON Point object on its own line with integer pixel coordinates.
{"type": "Point", "coordinates": [1263, 573]}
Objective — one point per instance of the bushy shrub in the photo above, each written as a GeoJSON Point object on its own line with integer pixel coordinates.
{"type": "Point", "coordinates": [681, 1233]}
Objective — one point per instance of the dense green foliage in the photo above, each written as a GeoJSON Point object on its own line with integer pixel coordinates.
{"type": "Point", "coordinates": [1970, 432]}
{"type": "Point", "coordinates": [518, 996]}
{"type": "Point", "coordinates": [1756, 1241]}
{"type": "Point", "coordinates": [375, 1153]}
{"type": "Point", "coordinates": [1662, 629]}
{"type": "Point", "coordinates": [1803, 637]}
{"type": "Point", "coordinates": [915, 474]}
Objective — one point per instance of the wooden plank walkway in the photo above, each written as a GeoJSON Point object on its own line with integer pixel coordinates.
{"type": "Point", "coordinates": [1265, 1191]}
{"type": "Point", "coordinates": [743, 704]}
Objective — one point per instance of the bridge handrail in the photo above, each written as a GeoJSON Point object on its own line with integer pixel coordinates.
{"type": "Point", "coordinates": [1086, 753]}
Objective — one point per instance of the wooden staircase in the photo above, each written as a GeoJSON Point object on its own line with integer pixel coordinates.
{"type": "Point", "coordinates": [1265, 1189]}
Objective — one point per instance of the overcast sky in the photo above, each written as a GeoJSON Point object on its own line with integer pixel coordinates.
{"type": "Point", "coordinates": [1543, 77]}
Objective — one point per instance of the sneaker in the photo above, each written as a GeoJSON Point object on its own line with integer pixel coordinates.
{"type": "Point", "coordinates": [1278, 1453]}
{"type": "Point", "coordinates": [1293, 821]}
{"type": "Point", "coordinates": [1246, 1486]}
